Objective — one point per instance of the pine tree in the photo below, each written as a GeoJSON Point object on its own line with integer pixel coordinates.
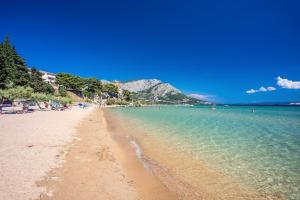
{"type": "Point", "coordinates": [7, 68]}
{"type": "Point", "coordinates": [22, 74]}
{"type": "Point", "coordinates": [3, 73]}
{"type": "Point", "coordinates": [13, 70]}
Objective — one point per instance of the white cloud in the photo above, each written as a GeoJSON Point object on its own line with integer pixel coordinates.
{"type": "Point", "coordinates": [271, 88]}
{"type": "Point", "coordinates": [250, 91]}
{"type": "Point", "coordinates": [261, 89]}
{"type": "Point", "coordinates": [202, 97]}
{"type": "Point", "coordinates": [288, 84]}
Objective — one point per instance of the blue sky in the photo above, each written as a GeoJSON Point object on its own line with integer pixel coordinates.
{"type": "Point", "coordinates": [219, 49]}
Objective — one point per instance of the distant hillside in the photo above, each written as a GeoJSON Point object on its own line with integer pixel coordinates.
{"type": "Point", "coordinates": [154, 90]}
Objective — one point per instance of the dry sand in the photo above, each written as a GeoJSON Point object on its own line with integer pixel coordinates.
{"type": "Point", "coordinates": [31, 145]}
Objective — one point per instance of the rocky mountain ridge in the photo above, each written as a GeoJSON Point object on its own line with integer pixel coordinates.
{"type": "Point", "coordinates": [139, 85]}
{"type": "Point", "coordinates": [154, 90]}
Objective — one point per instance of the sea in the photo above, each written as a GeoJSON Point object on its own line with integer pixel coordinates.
{"type": "Point", "coordinates": [248, 149]}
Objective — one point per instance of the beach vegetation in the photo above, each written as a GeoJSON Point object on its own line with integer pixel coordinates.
{"type": "Point", "coordinates": [110, 101]}
{"type": "Point", "coordinates": [63, 100]}
{"type": "Point", "coordinates": [16, 93]}
{"type": "Point", "coordinates": [40, 97]}
{"type": "Point", "coordinates": [62, 91]}
{"type": "Point", "coordinates": [27, 93]}
{"type": "Point", "coordinates": [117, 101]}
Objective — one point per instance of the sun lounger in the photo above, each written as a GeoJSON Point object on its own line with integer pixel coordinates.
{"type": "Point", "coordinates": [8, 110]}
{"type": "Point", "coordinates": [43, 107]}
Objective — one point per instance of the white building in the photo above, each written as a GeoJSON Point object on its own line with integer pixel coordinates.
{"type": "Point", "coordinates": [48, 77]}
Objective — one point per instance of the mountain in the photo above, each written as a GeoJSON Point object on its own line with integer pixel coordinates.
{"type": "Point", "coordinates": [139, 85]}
{"type": "Point", "coordinates": [154, 90]}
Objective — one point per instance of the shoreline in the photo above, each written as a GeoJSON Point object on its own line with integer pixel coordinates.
{"type": "Point", "coordinates": [199, 180]}
{"type": "Point", "coordinates": [147, 184]}
{"type": "Point", "coordinates": [102, 165]}
{"type": "Point", "coordinates": [95, 155]}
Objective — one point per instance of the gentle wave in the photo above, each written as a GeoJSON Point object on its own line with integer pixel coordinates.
{"type": "Point", "coordinates": [139, 154]}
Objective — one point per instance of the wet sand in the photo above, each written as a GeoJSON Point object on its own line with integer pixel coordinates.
{"type": "Point", "coordinates": [146, 183]}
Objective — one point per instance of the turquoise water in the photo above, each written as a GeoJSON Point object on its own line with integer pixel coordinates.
{"type": "Point", "coordinates": [260, 149]}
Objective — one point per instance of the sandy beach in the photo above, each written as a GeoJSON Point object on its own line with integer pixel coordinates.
{"type": "Point", "coordinates": [100, 167]}
{"type": "Point", "coordinates": [31, 145]}
{"type": "Point", "coordinates": [84, 154]}
{"type": "Point", "coordinates": [70, 155]}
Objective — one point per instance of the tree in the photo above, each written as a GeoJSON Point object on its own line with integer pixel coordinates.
{"type": "Point", "coordinates": [111, 89]}
{"type": "Point", "coordinates": [22, 75]}
{"type": "Point", "coordinates": [37, 83]}
{"type": "Point", "coordinates": [3, 72]}
{"type": "Point", "coordinates": [39, 97]}
{"type": "Point", "coordinates": [87, 94]}
{"type": "Point", "coordinates": [93, 85]}
{"type": "Point", "coordinates": [13, 70]}
{"type": "Point", "coordinates": [62, 91]}
{"type": "Point", "coordinates": [127, 95]}
{"type": "Point", "coordinates": [70, 81]}
{"type": "Point", "coordinates": [16, 93]}
{"type": "Point", "coordinates": [7, 70]}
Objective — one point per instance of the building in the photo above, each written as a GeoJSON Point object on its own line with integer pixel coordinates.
{"type": "Point", "coordinates": [48, 77]}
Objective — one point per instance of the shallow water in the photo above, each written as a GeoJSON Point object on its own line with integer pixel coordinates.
{"type": "Point", "coordinates": [260, 150]}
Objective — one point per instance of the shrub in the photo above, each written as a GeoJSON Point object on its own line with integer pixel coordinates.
{"type": "Point", "coordinates": [16, 93]}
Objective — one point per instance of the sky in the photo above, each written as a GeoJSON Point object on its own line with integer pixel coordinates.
{"type": "Point", "coordinates": [223, 51]}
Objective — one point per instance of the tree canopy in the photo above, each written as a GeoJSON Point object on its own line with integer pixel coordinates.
{"type": "Point", "coordinates": [111, 89]}
{"type": "Point", "coordinates": [13, 69]}
{"type": "Point", "coordinates": [93, 85]}
{"type": "Point", "coordinates": [88, 86]}
{"type": "Point", "coordinates": [70, 81]}
{"type": "Point", "coordinates": [16, 93]}
{"type": "Point", "coordinates": [127, 95]}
